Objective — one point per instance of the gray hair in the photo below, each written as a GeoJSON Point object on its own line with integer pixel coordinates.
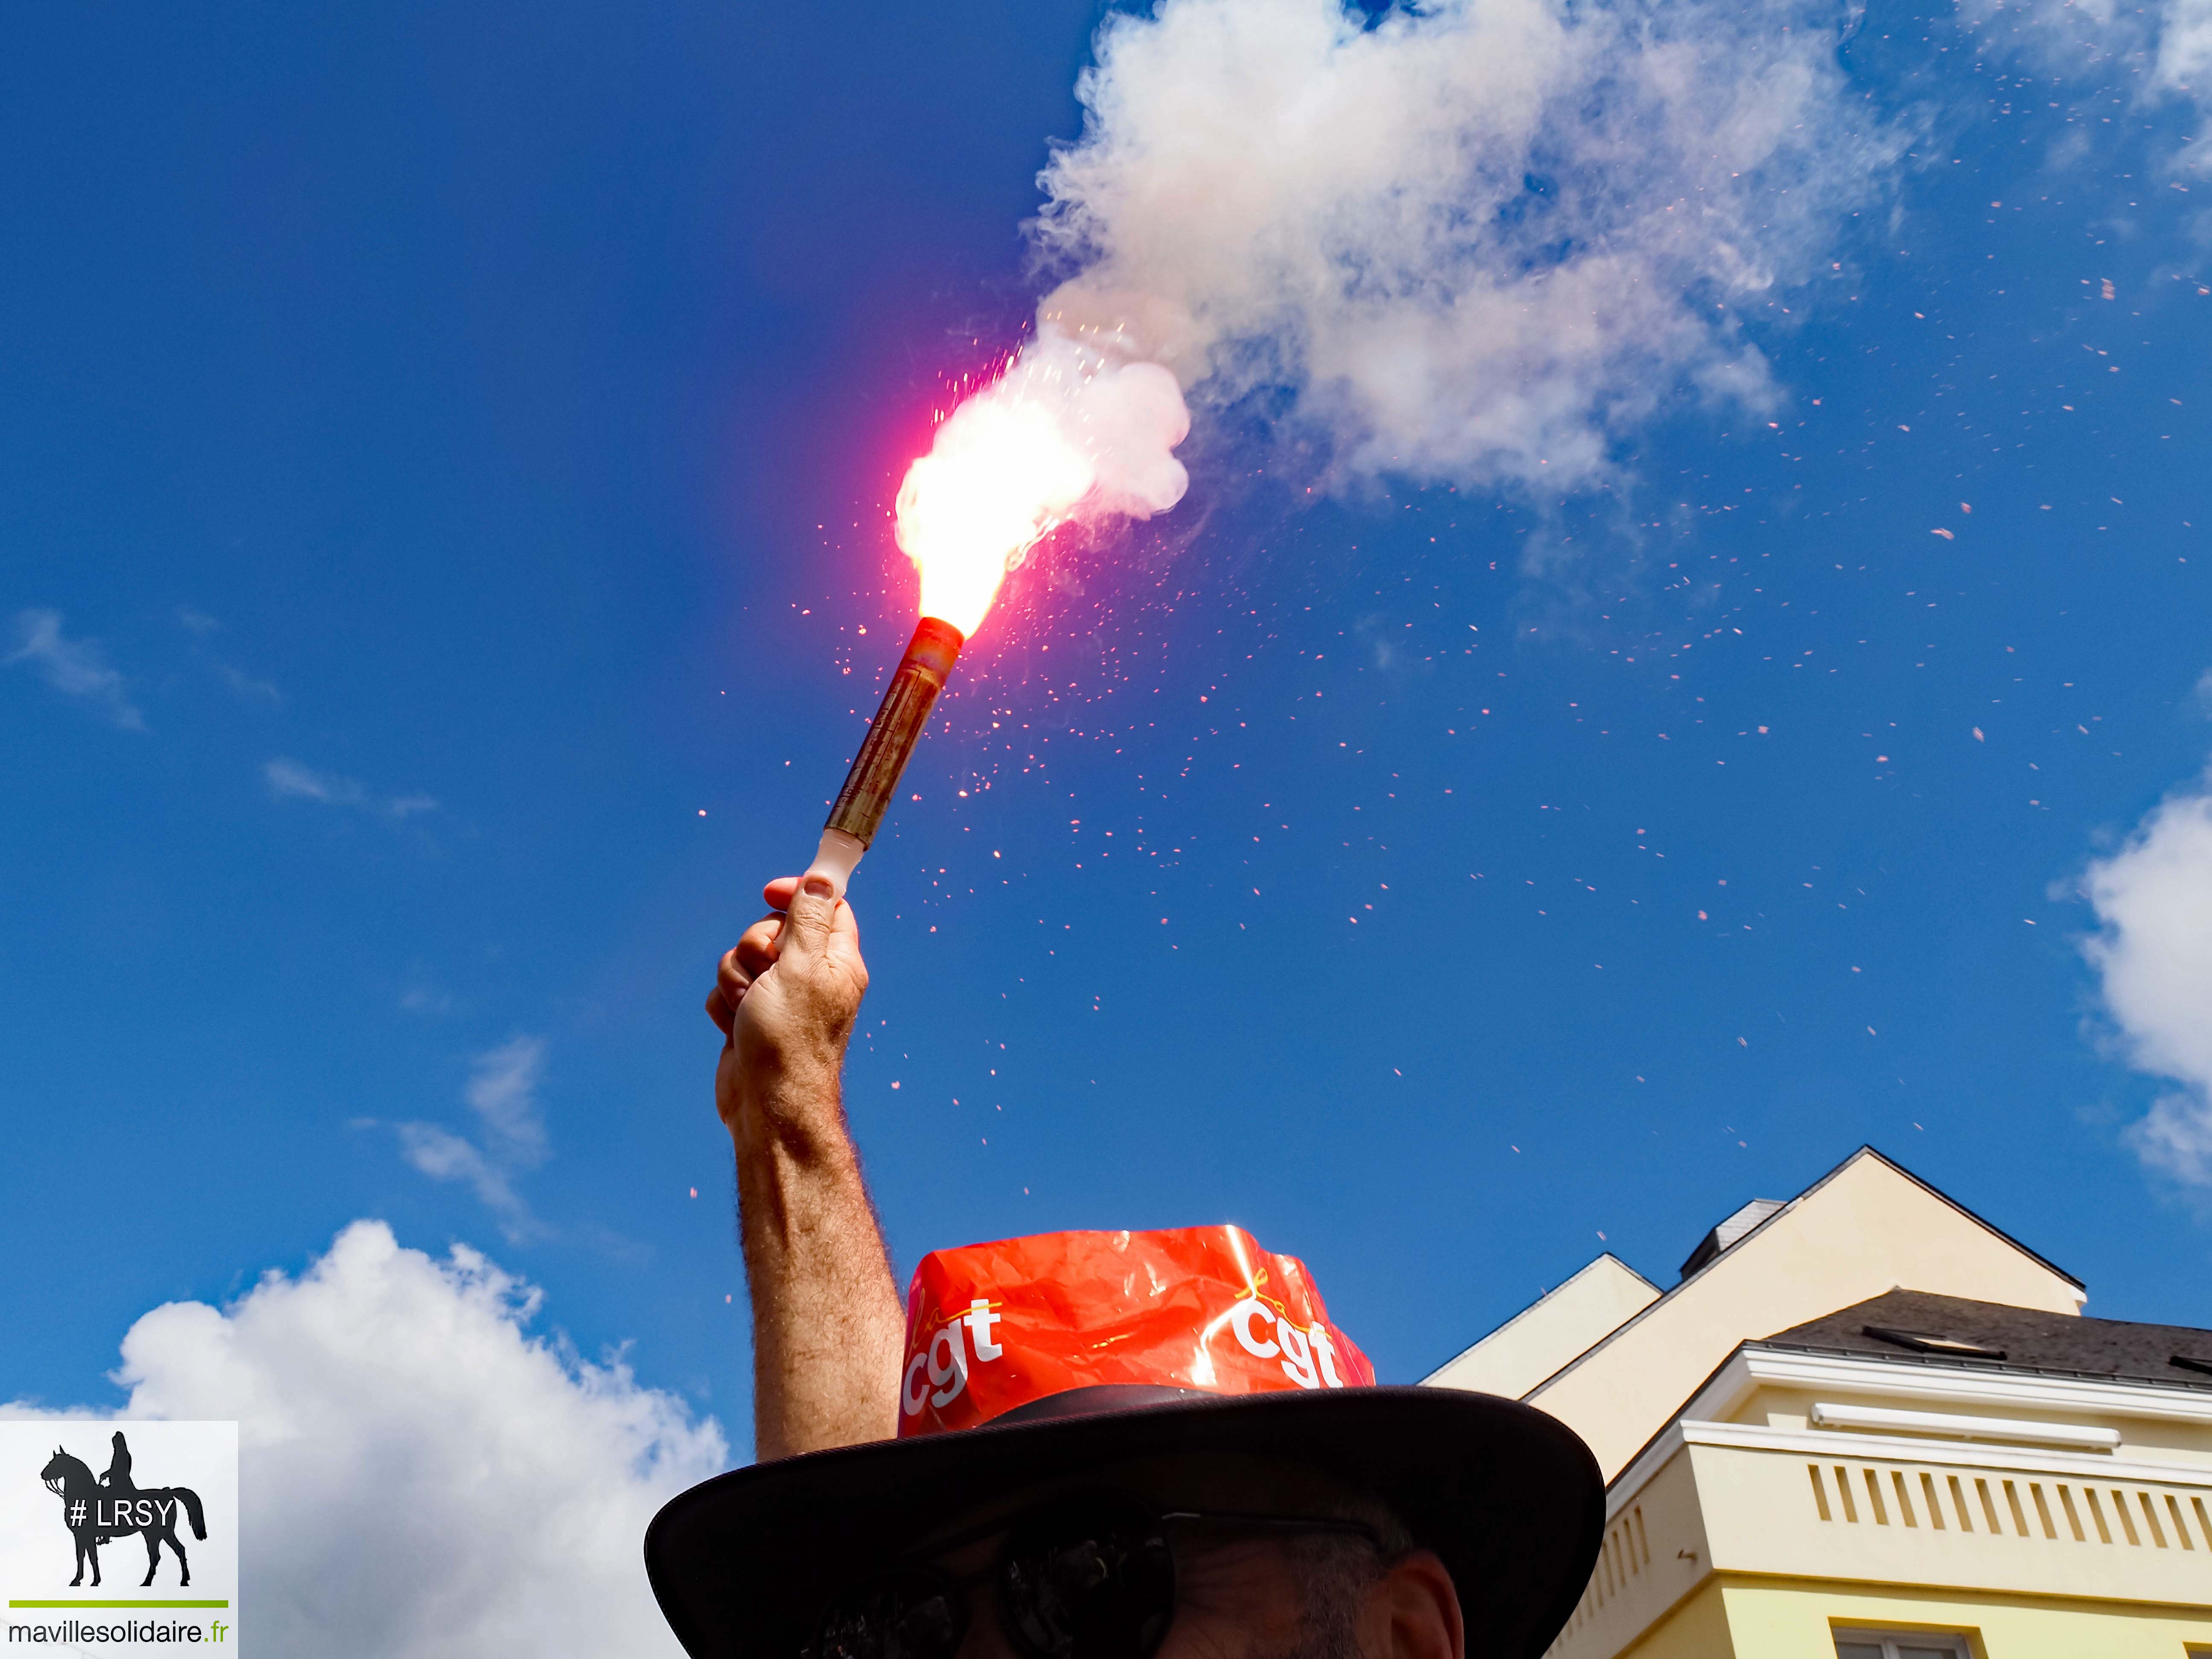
{"type": "Point", "coordinates": [1336, 1571]}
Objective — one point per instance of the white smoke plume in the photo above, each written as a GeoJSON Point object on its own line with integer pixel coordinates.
{"type": "Point", "coordinates": [2183, 69]}
{"type": "Point", "coordinates": [2153, 55]}
{"type": "Point", "coordinates": [1476, 244]}
{"type": "Point", "coordinates": [423, 1478]}
{"type": "Point", "coordinates": [2153, 900]}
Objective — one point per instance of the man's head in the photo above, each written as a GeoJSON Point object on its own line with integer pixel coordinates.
{"type": "Point", "coordinates": [1140, 1446]}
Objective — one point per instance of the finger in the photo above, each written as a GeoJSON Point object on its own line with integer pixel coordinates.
{"type": "Point", "coordinates": [845, 939]}
{"type": "Point", "coordinates": [720, 1010]}
{"type": "Point", "coordinates": [778, 892]}
{"type": "Point", "coordinates": [759, 947]}
{"type": "Point", "coordinates": [731, 983]}
{"type": "Point", "coordinates": [732, 976]}
{"type": "Point", "coordinates": [811, 918]}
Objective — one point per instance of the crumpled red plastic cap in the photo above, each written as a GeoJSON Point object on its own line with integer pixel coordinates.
{"type": "Point", "coordinates": [991, 1326]}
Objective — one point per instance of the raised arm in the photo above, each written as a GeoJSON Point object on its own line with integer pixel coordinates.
{"type": "Point", "coordinates": [828, 1328]}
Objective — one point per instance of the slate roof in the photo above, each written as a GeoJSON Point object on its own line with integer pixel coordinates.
{"type": "Point", "coordinates": [2029, 1340]}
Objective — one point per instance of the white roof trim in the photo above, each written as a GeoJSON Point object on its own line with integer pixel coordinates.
{"type": "Point", "coordinates": [1897, 1448]}
{"type": "Point", "coordinates": [2082, 1436]}
{"type": "Point", "coordinates": [1751, 1367]}
{"type": "Point", "coordinates": [1869, 1448]}
{"type": "Point", "coordinates": [1754, 1365]}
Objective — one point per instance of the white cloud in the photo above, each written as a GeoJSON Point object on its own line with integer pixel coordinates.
{"type": "Point", "coordinates": [76, 668]}
{"type": "Point", "coordinates": [288, 780]}
{"type": "Point", "coordinates": [2153, 949]}
{"type": "Point", "coordinates": [423, 1478]}
{"type": "Point", "coordinates": [1476, 243]}
{"type": "Point", "coordinates": [502, 1091]}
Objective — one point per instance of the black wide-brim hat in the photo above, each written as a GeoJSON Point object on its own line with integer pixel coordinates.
{"type": "Point", "coordinates": [1509, 1498]}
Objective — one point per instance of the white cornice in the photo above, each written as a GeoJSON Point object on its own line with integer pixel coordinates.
{"type": "Point", "coordinates": [1753, 1366]}
{"type": "Point", "coordinates": [1963, 1425]}
{"type": "Point", "coordinates": [1917, 1449]}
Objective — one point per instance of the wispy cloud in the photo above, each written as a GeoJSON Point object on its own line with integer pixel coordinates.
{"type": "Point", "coordinates": [423, 998]}
{"type": "Point", "coordinates": [2153, 953]}
{"type": "Point", "coordinates": [76, 668]}
{"type": "Point", "coordinates": [502, 1092]}
{"type": "Point", "coordinates": [444, 1156]}
{"type": "Point", "coordinates": [288, 780]}
{"type": "Point", "coordinates": [247, 688]}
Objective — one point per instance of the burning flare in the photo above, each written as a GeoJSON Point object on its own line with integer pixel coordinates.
{"type": "Point", "coordinates": [1074, 431]}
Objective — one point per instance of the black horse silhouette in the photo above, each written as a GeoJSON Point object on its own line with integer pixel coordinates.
{"type": "Point", "coordinates": [94, 1513]}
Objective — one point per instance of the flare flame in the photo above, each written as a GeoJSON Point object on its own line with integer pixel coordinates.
{"type": "Point", "coordinates": [1072, 431]}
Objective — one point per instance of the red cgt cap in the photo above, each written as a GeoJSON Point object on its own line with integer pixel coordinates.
{"type": "Point", "coordinates": [994, 1328]}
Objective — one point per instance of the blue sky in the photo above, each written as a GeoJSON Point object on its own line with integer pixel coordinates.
{"type": "Point", "coordinates": [446, 462]}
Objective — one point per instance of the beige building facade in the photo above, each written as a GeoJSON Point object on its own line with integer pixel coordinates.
{"type": "Point", "coordinates": [1890, 1435]}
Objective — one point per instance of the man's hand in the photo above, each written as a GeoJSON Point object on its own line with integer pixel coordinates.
{"type": "Point", "coordinates": [786, 998]}
{"type": "Point", "coordinates": [828, 1327]}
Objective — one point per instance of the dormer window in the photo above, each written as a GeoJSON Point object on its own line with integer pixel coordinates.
{"type": "Point", "coordinates": [1931, 1342]}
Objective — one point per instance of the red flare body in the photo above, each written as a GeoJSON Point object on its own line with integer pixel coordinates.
{"type": "Point", "coordinates": [900, 720]}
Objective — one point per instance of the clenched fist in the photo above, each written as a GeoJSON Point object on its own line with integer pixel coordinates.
{"type": "Point", "coordinates": [786, 997]}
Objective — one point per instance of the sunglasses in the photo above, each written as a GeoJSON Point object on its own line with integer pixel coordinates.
{"type": "Point", "coordinates": [1094, 1578]}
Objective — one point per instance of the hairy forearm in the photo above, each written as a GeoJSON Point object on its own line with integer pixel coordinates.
{"type": "Point", "coordinates": [826, 1322]}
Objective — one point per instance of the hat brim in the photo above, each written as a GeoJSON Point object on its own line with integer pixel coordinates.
{"type": "Point", "coordinates": [1509, 1498]}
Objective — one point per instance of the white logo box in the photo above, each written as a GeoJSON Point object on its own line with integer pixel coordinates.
{"type": "Point", "coordinates": [177, 1474]}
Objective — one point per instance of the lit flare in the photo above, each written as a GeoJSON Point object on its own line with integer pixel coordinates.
{"type": "Point", "coordinates": [1070, 431]}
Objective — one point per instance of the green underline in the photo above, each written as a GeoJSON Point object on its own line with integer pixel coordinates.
{"type": "Point", "coordinates": [119, 1604]}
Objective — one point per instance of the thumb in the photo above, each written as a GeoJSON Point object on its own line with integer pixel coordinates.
{"type": "Point", "coordinates": [811, 918]}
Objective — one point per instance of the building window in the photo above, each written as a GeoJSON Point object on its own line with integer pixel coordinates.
{"type": "Point", "coordinates": [1888, 1645]}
